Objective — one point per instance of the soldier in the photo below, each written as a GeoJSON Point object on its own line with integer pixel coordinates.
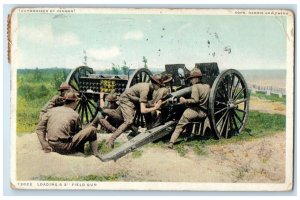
{"type": "Point", "coordinates": [197, 104]}
{"type": "Point", "coordinates": [111, 116]}
{"type": "Point", "coordinates": [60, 129]}
{"type": "Point", "coordinates": [57, 100]}
{"type": "Point", "coordinates": [138, 94]}
{"type": "Point", "coordinates": [154, 118]}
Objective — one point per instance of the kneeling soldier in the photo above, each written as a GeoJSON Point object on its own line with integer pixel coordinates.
{"type": "Point", "coordinates": [59, 130]}
{"type": "Point", "coordinates": [111, 116]}
{"type": "Point", "coordinates": [197, 104]}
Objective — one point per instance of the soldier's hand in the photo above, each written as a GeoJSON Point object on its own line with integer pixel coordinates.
{"type": "Point", "coordinates": [182, 100]}
{"type": "Point", "coordinates": [48, 149]}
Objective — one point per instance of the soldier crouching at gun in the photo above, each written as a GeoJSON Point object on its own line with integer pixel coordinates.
{"type": "Point", "coordinates": [59, 130]}
{"type": "Point", "coordinates": [198, 104]}
{"type": "Point", "coordinates": [140, 94]}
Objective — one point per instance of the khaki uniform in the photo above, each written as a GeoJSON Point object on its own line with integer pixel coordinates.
{"type": "Point", "coordinates": [114, 119]}
{"type": "Point", "coordinates": [159, 94]}
{"type": "Point", "coordinates": [54, 102]}
{"type": "Point", "coordinates": [114, 116]}
{"type": "Point", "coordinates": [198, 108]}
{"type": "Point", "coordinates": [152, 120]}
{"type": "Point", "coordinates": [60, 128]}
{"type": "Point", "coordinates": [139, 93]}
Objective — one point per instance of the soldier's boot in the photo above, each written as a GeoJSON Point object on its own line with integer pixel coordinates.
{"type": "Point", "coordinates": [104, 123]}
{"type": "Point", "coordinates": [134, 129]}
{"type": "Point", "coordinates": [110, 143]}
{"type": "Point", "coordinates": [170, 145]}
{"type": "Point", "coordinates": [134, 132]}
{"type": "Point", "coordinates": [116, 134]}
{"type": "Point", "coordinates": [174, 137]}
{"type": "Point", "coordinates": [94, 148]}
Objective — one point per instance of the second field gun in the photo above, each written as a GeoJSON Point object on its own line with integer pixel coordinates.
{"type": "Point", "coordinates": [227, 110]}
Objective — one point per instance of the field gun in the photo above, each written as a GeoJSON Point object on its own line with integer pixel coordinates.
{"type": "Point", "coordinates": [227, 112]}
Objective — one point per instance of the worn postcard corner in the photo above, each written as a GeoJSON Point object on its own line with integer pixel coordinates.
{"type": "Point", "coordinates": [151, 99]}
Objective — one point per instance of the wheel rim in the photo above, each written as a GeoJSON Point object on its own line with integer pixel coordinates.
{"type": "Point", "coordinates": [87, 106]}
{"type": "Point", "coordinates": [141, 75]}
{"type": "Point", "coordinates": [75, 74]}
{"type": "Point", "coordinates": [228, 104]}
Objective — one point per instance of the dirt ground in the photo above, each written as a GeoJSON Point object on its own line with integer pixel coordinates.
{"type": "Point", "coordinates": [260, 161]}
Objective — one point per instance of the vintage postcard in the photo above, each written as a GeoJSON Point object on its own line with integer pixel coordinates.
{"type": "Point", "coordinates": [151, 99]}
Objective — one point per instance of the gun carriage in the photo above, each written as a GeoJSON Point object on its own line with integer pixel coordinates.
{"type": "Point", "coordinates": [227, 112]}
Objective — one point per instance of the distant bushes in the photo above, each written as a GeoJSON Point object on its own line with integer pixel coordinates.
{"type": "Point", "coordinates": [35, 89]}
{"type": "Point", "coordinates": [30, 92]}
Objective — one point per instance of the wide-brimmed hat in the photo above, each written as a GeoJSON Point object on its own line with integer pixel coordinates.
{"type": "Point", "coordinates": [71, 96]}
{"type": "Point", "coordinates": [166, 78]}
{"type": "Point", "coordinates": [64, 86]}
{"type": "Point", "coordinates": [195, 73]}
{"type": "Point", "coordinates": [157, 78]}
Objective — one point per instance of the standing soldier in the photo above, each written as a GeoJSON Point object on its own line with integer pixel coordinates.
{"type": "Point", "coordinates": [57, 100]}
{"type": "Point", "coordinates": [59, 130]}
{"type": "Point", "coordinates": [198, 104]}
{"type": "Point", "coordinates": [140, 93]}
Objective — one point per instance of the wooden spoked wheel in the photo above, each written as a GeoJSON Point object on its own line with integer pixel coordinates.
{"type": "Point", "coordinates": [87, 106]}
{"type": "Point", "coordinates": [228, 104]}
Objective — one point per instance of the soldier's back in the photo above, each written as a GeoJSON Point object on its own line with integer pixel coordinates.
{"type": "Point", "coordinates": [62, 122]}
{"type": "Point", "coordinates": [136, 91]}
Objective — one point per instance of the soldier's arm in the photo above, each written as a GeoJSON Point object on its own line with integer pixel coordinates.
{"type": "Point", "coordinates": [194, 96]}
{"type": "Point", "coordinates": [55, 101]}
{"type": "Point", "coordinates": [41, 131]}
{"type": "Point", "coordinates": [102, 103]}
{"type": "Point", "coordinates": [147, 110]}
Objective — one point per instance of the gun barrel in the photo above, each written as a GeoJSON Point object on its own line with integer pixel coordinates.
{"type": "Point", "coordinates": [174, 96]}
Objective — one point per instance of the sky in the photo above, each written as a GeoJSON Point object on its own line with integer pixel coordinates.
{"type": "Point", "coordinates": [233, 41]}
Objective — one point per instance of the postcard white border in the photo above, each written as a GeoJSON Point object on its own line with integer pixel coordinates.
{"type": "Point", "coordinates": [167, 186]}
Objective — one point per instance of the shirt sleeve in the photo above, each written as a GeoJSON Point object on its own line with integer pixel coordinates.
{"type": "Point", "coordinates": [41, 131]}
{"type": "Point", "coordinates": [194, 96]}
{"type": "Point", "coordinates": [161, 94]}
{"type": "Point", "coordinates": [55, 101]}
